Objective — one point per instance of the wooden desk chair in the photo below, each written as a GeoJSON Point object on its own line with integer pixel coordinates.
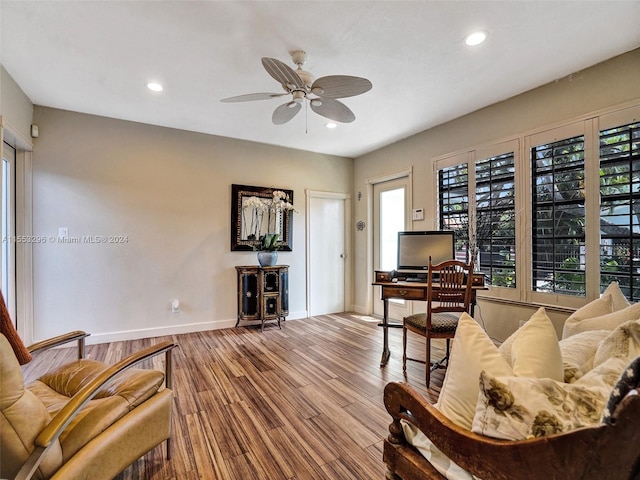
{"type": "Point", "coordinates": [448, 294]}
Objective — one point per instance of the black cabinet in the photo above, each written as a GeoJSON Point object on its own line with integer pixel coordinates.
{"type": "Point", "coordinates": [263, 293]}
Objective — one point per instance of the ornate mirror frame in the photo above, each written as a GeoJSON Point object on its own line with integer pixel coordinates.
{"type": "Point", "coordinates": [239, 215]}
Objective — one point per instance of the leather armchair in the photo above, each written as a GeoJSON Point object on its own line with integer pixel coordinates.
{"type": "Point", "coordinates": [85, 419]}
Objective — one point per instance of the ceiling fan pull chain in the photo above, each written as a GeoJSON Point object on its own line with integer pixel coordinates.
{"type": "Point", "coordinates": [306, 118]}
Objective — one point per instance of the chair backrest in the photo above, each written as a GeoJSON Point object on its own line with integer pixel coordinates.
{"type": "Point", "coordinates": [449, 287]}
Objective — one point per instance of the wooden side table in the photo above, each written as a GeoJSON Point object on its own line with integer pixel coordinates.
{"type": "Point", "coordinates": [263, 293]}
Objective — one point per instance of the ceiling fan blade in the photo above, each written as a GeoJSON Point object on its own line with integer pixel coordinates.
{"type": "Point", "coordinates": [332, 109]}
{"type": "Point", "coordinates": [281, 72]}
{"type": "Point", "coordinates": [285, 112]}
{"type": "Point", "coordinates": [252, 96]}
{"type": "Point", "coordinates": [340, 86]}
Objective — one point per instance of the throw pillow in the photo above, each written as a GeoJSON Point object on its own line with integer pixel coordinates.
{"type": "Point", "coordinates": [596, 308]}
{"type": "Point", "coordinates": [618, 299]}
{"type": "Point", "coordinates": [604, 322]}
{"type": "Point", "coordinates": [516, 408]}
{"type": "Point", "coordinates": [534, 349]}
{"type": "Point", "coordinates": [472, 352]}
{"type": "Point", "coordinates": [623, 342]}
{"type": "Point", "coordinates": [578, 352]}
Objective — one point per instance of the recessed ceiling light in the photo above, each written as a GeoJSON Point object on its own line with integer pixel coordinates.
{"type": "Point", "coordinates": [331, 125]}
{"type": "Point", "coordinates": [156, 87]}
{"type": "Point", "coordinates": [475, 38]}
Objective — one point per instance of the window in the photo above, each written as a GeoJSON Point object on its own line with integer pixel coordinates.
{"type": "Point", "coordinates": [620, 209]}
{"type": "Point", "coordinates": [485, 224]}
{"type": "Point", "coordinates": [453, 194]}
{"type": "Point", "coordinates": [558, 217]}
{"type": "Point", "coordinates": [495, 222]}
{"type": "Point", "coordinates": [574, 226]}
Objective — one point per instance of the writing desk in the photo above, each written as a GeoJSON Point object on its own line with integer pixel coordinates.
{"type": "Point", "coordinates": [411, 291]}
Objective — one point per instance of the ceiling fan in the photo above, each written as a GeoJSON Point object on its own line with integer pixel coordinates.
{"type": "Point", "coordinates": [322, 93]}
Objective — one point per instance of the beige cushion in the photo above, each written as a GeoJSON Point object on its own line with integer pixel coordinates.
{"type": "Point", "coordinates": [112, 402]}
{"type": "Point", "coordinates": [535, 352]}
{"type": "Point", "coordinates": [578, 352]}
{"type": "Point", "coordinates": [618, 299]}
{"type": "Point", "coordinates": [604, 322]}
{"type": "Point", "coordinates": [596, 308]}
{"type": "Point", "coordinates": [623, 342]}
{"type": "Point", "coordinates": [515, 408]}
{"type": "Point", "coordinates": [533, 349]}
{"type": "Point", "coordinates": [472, 352]}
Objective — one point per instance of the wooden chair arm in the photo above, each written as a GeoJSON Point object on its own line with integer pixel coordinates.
{"type": "Point", "coordinates": [62, 419]}
{"type": "Point", "coordinates": [78, 336]}
{"type": "Point", "coordinates": [589, 453]}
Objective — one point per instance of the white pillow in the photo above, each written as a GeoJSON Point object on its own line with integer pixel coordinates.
{"type": "Point", "coordinates": [604, 322]}
{"type": "Point", "coordinates": [578, 352]}
{"type": "Point", "coordinates": [618, 299]}
{"type": "Point", "coordinates": [535, 352]}
{"type": "Point", "coordinates": [534, 349]}
{"type": "Point", "coordinates": [596, 308]}
{"type": "Point", "coordinates": [623, 342]}
{"type": "Point", "coordinates": [516, 408]}
{"type": "Point", "coordinates": [472, 352]}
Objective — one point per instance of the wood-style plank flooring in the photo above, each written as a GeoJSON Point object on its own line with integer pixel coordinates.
{"type": "Point", "coordinates": [303, 402]}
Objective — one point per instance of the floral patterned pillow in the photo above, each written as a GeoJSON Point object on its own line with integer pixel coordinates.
{"type": "Point", "coordinates": [516, 408]}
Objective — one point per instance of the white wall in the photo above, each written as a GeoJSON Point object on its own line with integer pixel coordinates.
{"type": "Point", "coordinates": [169, 192]}
{"type": "Point", "coordinates": [607, 84]}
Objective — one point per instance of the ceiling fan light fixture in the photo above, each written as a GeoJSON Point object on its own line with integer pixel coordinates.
{"type": "Point", "coordinates": [331, 125]}
{"type": "Point", "coordinates": [298, 96]}
{"type": "Point", "coordinates": [317, 90]}
{"type": "Point", "coordinates": [475, 38]}
{"type": "Point", "coordinates": [316, 102]}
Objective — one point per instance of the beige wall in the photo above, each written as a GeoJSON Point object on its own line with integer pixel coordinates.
{"type": "Point", "coordinates": [168, 191]}
{"type": "Point", "coordinates": [610, 83]}
{"type": "Point", "coordinates": [16, 112]}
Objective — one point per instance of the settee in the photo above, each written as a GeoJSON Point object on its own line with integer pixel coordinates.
{"type": "Point", "coordinates": [533, 408]}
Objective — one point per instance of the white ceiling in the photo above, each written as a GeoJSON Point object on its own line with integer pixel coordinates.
{"type": "Point", "coordinates": [97, 56]}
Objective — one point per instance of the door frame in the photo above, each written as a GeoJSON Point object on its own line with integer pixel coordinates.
{"type": "Point", "coordinates": [348, 267]}
{"type": "Point", "coordinates": [370, 183]}
{"type": "Point", "coordinates": [23, 225]}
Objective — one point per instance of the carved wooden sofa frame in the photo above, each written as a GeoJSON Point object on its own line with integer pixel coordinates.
{"type": "Point", "coordinates": [593, 453]}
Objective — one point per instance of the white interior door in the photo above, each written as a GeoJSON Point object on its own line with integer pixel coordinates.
{"type": "Point", "coordinates": [390, 212]}
{"type": "Point", "coordinates": [326, 253]}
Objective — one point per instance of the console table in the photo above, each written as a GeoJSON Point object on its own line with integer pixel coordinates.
{"type": "Point", "coordinates": [409, 291]}
{"type": "Point", "coordinates": [263, 293]}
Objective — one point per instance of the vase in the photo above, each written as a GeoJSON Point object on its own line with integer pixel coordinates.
{"type": "Point", "coordinates": [267, 259]}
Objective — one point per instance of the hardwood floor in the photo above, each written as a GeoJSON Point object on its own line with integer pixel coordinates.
{"type": "Point", "coordinates": [303, 402]}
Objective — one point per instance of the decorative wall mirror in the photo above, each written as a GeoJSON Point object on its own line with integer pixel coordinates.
{"type": "Point", "coordinates": [259, 211]}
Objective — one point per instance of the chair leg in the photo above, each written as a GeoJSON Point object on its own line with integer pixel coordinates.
{"type": "Point", "coordinates": [168, 444]}
{"type": "Point", "coordinates": [404, 348]}
{"type": "Point", "coordinates": [448, 351]}
{"type": "Point", "coordinates": [428, 358]}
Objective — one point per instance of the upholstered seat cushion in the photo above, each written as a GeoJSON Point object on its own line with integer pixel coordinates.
{"type": "Point", "coordinates": [111, 403]}
{"type": "Point", "coordinates": [440, 322]}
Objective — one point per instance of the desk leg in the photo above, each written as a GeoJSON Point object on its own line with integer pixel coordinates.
{"type": "Point", "coordinates": [385, 335]}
